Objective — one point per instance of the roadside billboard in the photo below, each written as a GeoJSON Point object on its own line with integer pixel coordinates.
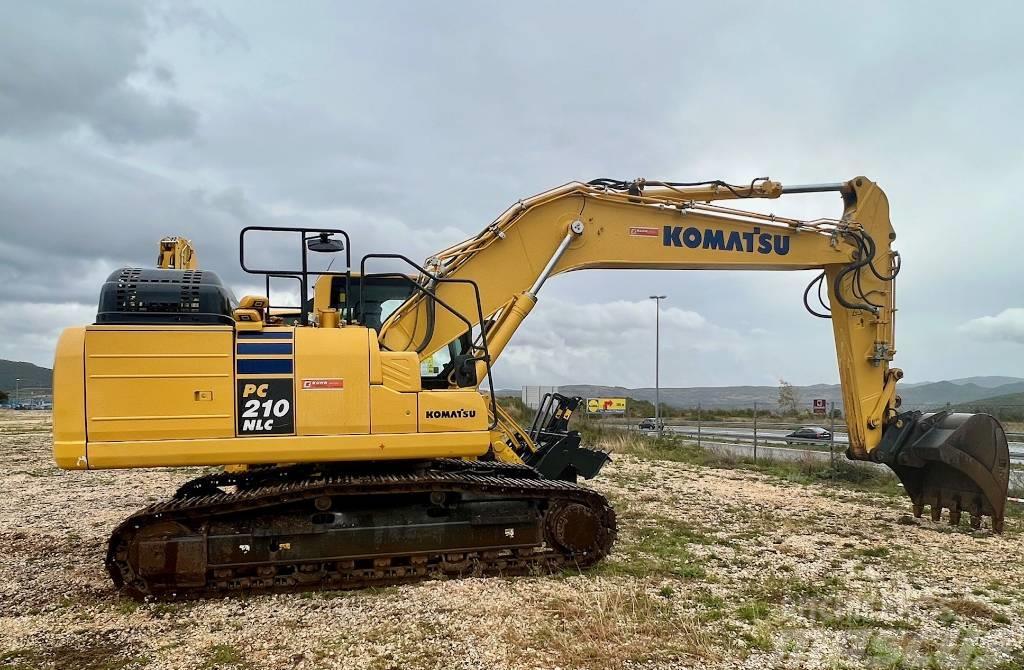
{"type": "Point", "coordinates": [606, 405]}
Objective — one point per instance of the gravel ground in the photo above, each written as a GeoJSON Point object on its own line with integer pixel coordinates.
{"type": "Point", "coordinates": [714, 568]}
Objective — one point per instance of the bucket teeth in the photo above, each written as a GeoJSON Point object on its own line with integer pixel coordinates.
{"type": "Point", "coordinates": [955, 461]}
{"type": "Point", "coordinates": [954, 512]}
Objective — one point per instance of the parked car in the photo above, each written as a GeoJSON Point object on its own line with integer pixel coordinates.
{"type": "Point", "coordinates": [649, 424]}
{"type": "Point", "coordinates": [809, 434]}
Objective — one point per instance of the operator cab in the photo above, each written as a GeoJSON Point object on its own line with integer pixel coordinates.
{"type": "Point", "coordinates": [368, 301]}
{"type": "Point", "coordinates": [343, 296]}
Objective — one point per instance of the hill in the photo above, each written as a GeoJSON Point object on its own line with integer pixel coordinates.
{"type": "Point", "coordinates": [1009, 407]}
{"type": "Point", "coordinates": [32, 376]}
{"type": "Point", "coordinates": [989, 382]}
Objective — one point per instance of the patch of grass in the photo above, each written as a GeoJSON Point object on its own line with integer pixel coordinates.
{"type": "Point", "coordinates": [844, 473]}
{"type": "Point", "coordinates": [660, 548]}
{"type": "Point", "coordinates": [126, 606]}
{"type": "Point", "coordinates": [1015, 662]}
{"type": "Point", "coordinates": [94, 653]}
{"type": "Point", "coordinates": [754, 611]}
{"type": "Point", "coordinates": [610, 628]}
{"type": "Point", "coordinates": [760, 638]}
{"type": "Point", "coordinates": [222, 656]}
{"type": "Point", "coordinates": [856, 621]}
{"type": "Point", "coordinates": [883, 653]}
{"type": "Point", "coordinates": [166, 609]}
{"type": "Point", "coordinates": [776, 589]}
{"type": "Point", "coordinates": [413, 641]}
{"type": "Point", "coordinates": [964, 607]}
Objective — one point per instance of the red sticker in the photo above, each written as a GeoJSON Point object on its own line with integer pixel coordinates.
{"type": "Point", "coordinates": [322, 384]}
{"type": "Point", "coordinates": [643, 232]}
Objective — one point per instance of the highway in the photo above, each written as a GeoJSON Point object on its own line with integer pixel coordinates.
{"type": "Point", "coordinates": [775, 437]}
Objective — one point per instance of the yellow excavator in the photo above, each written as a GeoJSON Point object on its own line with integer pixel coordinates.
{"type": "Point", "coordinates": [357, 447]}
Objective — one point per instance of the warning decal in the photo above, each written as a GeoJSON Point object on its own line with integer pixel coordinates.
{"type": "Point", "coordinates": [322, 384]}
{"type": "Point", "coordinates": [644, 232]}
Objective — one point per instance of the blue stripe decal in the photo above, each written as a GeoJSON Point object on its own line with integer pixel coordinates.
{"type": "Point", "coordinates": [268, 348]}
{"type": "Point", "coordinates": [264, 366]}
{"type": "Point", "coordinates": [246, 335]}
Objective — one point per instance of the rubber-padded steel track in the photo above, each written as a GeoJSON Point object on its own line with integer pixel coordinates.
{"type": "Point", "coordinates": [321, 530]}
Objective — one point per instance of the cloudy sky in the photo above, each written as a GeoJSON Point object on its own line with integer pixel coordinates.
{"type": "Point", "coordinates": [413, 124]}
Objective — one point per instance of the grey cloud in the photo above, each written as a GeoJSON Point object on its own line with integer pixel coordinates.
{"type": "Point", "coordinates": [414, 125]}
{"type": "Point", "coordinates": [29, 331]}
{"type": "Point", "coordinates": [584, 342]}
{"type": "Point", "coordinates": [70, 65]}
{"type": "Point", "coordinates": [1008, 326]}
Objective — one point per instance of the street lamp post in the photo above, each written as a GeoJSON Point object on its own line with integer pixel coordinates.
{"type": "Point", "coordinates": [657, 362]}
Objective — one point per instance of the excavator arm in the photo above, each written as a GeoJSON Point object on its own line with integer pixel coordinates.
{"type": "Point", "coordinates": [176, 253]}
{"type": "Point", "coordinates": [953, 461]}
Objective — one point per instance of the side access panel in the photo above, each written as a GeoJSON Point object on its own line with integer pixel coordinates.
{"type": "Point", "coordinates": [332, 381]}
{"type": "Point", "coordinates": [152, 383]}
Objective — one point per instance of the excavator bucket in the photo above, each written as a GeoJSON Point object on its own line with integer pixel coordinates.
{"type": "Point", "coordinates": [960, 462]}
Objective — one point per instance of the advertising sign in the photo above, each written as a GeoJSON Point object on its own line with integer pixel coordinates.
{"type": "Point", "coordinates": [606, 405]}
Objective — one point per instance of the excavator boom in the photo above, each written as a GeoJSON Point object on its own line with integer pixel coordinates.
{"type": "Point", "coordinates": [661, 225]}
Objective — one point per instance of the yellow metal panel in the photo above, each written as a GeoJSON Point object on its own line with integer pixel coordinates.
{"type": "Point", "coordinates": [392, 411]}
{"type": "Point", "coordinates": [376, 372]}
{"type": "Point", "coordinates": [332, 354]}
{"type": "Point", "coordinates": [69, 401]}
{"type": "Point", "coordinates": [451, 410]}
{"type": "Point", "coordinates": [290, 449]}
{"type": "Point", "coordinates": [401, 370]}
{"type": "Point", "coordinates": [149, 384]}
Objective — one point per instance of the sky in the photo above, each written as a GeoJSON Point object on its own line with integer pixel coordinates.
{"type": "Point", "coordinates": [412, 125]}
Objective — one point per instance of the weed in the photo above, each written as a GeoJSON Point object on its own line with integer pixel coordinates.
{"type": "Point", "coordinates": [222, 656]}
{"type": "Point", "coordinates": [843, 474]}
{"type": "Point", "coordinates": [612, 627]}
{"type": "Point", "coordinates": [760, 638]}
{"type": "Point", "coordinates": [964, 607]}
{"type": "Point", "coordinates": [754, 611]}
{"type": "Point", "coordinates": [658, 549]}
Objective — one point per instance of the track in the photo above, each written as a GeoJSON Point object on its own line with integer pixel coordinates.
{"type": "Point", "coordinates": [286, 529]}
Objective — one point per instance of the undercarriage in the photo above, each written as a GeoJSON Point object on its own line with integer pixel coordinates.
{"type": "Point", "coordinates": [306, 527]}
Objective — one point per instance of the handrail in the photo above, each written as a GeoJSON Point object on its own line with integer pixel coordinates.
{"type": "Point", "coordinates": [486, 358]}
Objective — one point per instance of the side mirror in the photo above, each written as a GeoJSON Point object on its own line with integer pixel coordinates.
{"type": "Point", "coordinates": [324, 243]}
{"type": "Point", "coordinates": [464, 367]}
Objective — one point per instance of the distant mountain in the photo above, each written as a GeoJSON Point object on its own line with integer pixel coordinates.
{"type": "Point", "coordinates": [989, 382]}
{"type": "Point", "coordinates": [951, 392]}
{"type": "Point", "coordinates": [32, 376]}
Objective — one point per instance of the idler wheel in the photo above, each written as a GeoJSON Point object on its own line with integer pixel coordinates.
{"type": "Point", "coordinates": [575, 528]}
